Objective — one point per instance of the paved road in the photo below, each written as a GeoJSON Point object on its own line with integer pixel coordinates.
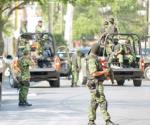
{"type": "Point", "coordinates": [128, 105]}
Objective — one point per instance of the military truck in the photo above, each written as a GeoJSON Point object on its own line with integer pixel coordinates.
{"type": "Point", "coordinates": [126, 70]}
{"type": "Point", "coordinates": [42, 52]}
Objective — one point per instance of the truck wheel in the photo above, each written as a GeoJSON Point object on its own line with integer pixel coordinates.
{"type": "Point", "coordinates": [137, 82]}
{"type": "Point", "coordinates": [120, 82]}
{"type": "Point", "coordinates": [55, 83]}
{"type": "Point", "coordinates": [147, 73]}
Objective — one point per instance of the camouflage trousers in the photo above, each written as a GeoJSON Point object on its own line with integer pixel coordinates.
{"type": "Point", "coordinates": [23, 91]}
{"type": "Point", "coordinates": [75, 77]}
{"type": "Point", "coordinates": [98, 99]}
{"type": "Point", "coordinates": [120, 57]}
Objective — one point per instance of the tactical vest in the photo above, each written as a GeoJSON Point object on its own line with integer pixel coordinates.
{"type": "Point", "coordinates": [99, 68]}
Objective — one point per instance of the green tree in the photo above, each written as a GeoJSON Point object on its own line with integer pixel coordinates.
{"type": "Point", "coordinates": [87, 20]}
{"type": "Point", "coordinates": [7, 7]}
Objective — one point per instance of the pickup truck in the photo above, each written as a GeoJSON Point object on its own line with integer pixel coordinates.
{"type": "Point", "coordinates": [42, 51]}
{"type": "Point", "coordinates": [127, 70]}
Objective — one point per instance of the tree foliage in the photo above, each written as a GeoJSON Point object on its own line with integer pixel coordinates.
{"type": "Point", "coordinates": [88, 20]}
{"type": "Point", "coordinates": [7, 7]}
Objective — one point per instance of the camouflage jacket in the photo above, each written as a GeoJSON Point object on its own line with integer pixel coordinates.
{"type": "Point", "coordinates": [23, 30]}
{"type": "Point", "coordinates": [93, 65]}
{"type": "Point", "coordinates": [23, 65]}
{"type": "Point", "coordinates": [76, 63]}
{"type": "Point", "coordinates": [38, 29]}
{"type": "Point", "coordinates": [112, 29]}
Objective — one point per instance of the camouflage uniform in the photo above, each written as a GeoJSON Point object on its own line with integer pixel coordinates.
{"type": "Point", "coordinates": [103, 31]}
{"type": "Point", "coordinates": [104, 28]}
{"type": "Point", "coordinates": [112, 27]}
{"type": "Point", "coordinates": [124, 52]}
{"type": "Point", "coordinates": [75, 68]}
{"type": "Point", "coordinates": [97, 96]}
{"type": "Point", "coordinates": [23, 28]}
{"type": "Point", "coordinates": [95, 85]}
{"type": "Point", "coordinates": [39, 29]}
{"type": "Point", "coordinates": [128, 53]}
{"type": "Point", "coordinates": [23, 64]}
{"type": "Point", "coordinates": [117, 49]}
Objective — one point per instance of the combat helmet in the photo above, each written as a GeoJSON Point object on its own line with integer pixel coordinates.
{"type": "Point", "coordinates": [111, 20]}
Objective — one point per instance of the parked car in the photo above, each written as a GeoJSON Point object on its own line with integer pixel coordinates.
{"type": "Point", "coordinates": [145, 53]}
{"type": "Point", "coordinates": [46, 60]}
{"type": "Point", "coordinates": [85, 51]}
{"type": "Point", "coordinates": [65, 59]}
{"type": "Point", "coordinates": [146, 56]}
{"type": "Point", "coordinates": [65, 54]}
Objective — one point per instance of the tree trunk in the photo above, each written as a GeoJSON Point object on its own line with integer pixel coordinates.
{"type": "Point", "coordinates": [68, 24]}
{"type": "Point", "coordinates": [1, 39]}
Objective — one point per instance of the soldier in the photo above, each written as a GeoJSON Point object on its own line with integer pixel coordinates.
{"type": "Point", "coordinates": [76, 66]}
{"type": "Point", "coordinates": [47, 52]}
{"type": "Point", "coordinates": [95, 84]}
{"type": "Point", "coordinates": [23, 28]}
{"type": "Point", "coordinates": [39, 30]}
{"type": "Point", "coordinates": [103, 32]}
{"type": "Point", "coordinates": [112, 26]}
{"type": "Point", "coordinates": [104, 28]}
{"type": "Point", "coordinates": [117, 50]}
{"type": "Point", "coordinates": [129, 55]}
{"type": "Point", "coordinates": [23, 64]}
{"type": "Point", "coordinates": [39, 27]}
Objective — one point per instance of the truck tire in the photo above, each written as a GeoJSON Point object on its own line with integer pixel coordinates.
{"type": "Point", "coordinates": [55, 84]}
{"type": "Point", "coordinates": [137, 83]}
{"type": "Point", "coordinates": [120, 82]}
{"type": "Point", "coordinates": [147, 73]}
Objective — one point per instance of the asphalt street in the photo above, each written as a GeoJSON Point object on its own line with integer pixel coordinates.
{"type": "Point", "coordinates": [128, 105]}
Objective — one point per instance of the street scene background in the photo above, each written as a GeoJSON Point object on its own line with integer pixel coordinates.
{"type": "Point", "coordinates": [76, 25]}
{"type": "Point", "coordinates": [127, 105]}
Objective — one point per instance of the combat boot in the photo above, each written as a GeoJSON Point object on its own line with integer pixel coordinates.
{"type": "Point", "coordinates": [27, 104]}
{"type": "Point", "coordinates": [109, 122]}
{"type": "Point", "coordinates": [91, 123]}
{"type": "Point", "coordinates": [21, 104]}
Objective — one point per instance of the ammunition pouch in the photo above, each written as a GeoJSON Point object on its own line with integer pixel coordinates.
{"type": "Point", "coordinates": [92, 83]}
{"type": "Point", "coordinates": [101, 78]}
{"type": "Point", "coordinates": [25, 83]}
